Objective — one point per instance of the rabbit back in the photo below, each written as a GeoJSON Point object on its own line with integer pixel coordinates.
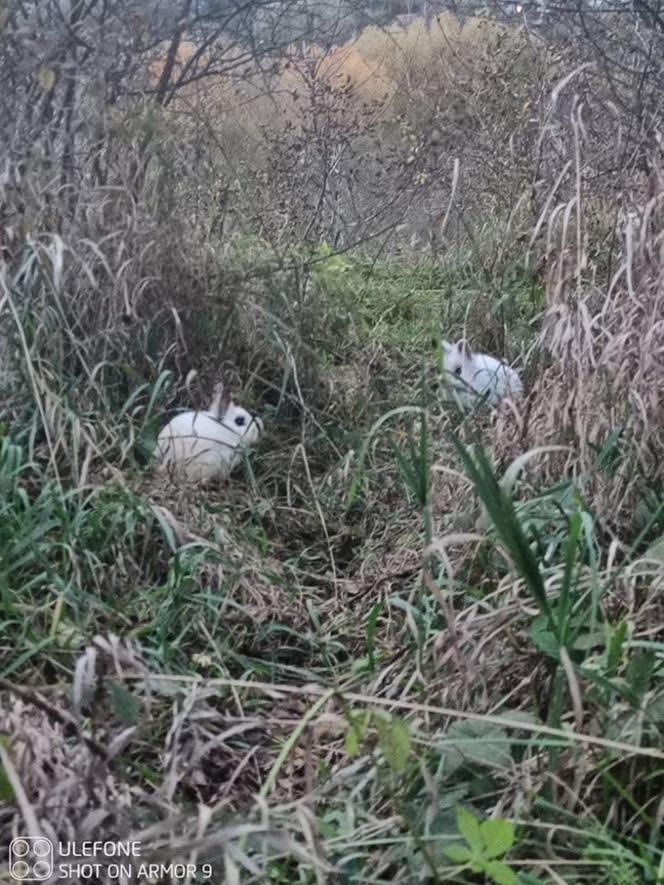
{"type": "Point", "coordinates": [197, 444]}
{"type": "Point", "coordinates": [493, 379]}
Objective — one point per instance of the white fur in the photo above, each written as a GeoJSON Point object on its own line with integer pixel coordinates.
{"type": "Point", "coordinates": [202, 445]}
{"type": "Point", "coordinates": [475, 376]}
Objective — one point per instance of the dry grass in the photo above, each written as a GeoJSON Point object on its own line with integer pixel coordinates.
{"type": "Point", "coordinates": [602, 394]}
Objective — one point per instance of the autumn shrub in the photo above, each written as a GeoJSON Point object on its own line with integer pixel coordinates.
{"type": "Point", "coordinates": [468, 93]}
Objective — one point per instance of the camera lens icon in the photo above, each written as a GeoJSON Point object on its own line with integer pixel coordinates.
{"type": "Point", "coordinates": [30, 859]}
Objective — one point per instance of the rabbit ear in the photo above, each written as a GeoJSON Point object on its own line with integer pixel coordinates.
{"type": "Point", "coordinates": [221, 400]}
{"type": "Point", "coordinates": [464, 350]}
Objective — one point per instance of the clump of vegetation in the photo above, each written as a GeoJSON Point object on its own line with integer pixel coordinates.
{"type": "Point", "coordinates": [401, 643]}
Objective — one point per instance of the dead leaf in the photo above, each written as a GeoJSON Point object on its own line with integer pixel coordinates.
{"type": "Point", "coordinates": [46, 78]}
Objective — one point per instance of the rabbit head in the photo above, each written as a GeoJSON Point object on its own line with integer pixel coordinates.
{"type": "Point", "coordinates": [459, 363]}
{"type": "Point", "coordinates": [243, 424]}
{"type": "Point", "coordinates": [239, 421]}
{"type": "Point", "coordinates": [478, 376]}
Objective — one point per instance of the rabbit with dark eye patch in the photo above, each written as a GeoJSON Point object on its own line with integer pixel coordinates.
{"type": "Point", "coordinates": [477, 376]}
{"type": "Point", "coordinates": [205, 444]}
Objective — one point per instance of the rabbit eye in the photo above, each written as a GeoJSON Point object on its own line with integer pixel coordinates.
{"type": "Point", "coordinates": [457, 371]}
{"type": "Point", "coordinates": [240, 420]}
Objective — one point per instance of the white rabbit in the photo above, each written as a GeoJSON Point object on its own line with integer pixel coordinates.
{"type": "Point", "coordinates": [476, 376]}
{"type": "Point", "coordinates": [202, 445]}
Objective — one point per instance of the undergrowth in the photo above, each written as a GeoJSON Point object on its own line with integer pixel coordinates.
{"type": "Point", "coordinates": [454, 683]}
{"type": "Point", "coordinates": [401, 642]}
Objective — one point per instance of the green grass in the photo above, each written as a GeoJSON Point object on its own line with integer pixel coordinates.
{"type": "Point", "coordinates": [404, 305]}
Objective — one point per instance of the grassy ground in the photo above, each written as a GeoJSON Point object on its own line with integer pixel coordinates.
{"type": "Point", "coordinates": [372, 655]}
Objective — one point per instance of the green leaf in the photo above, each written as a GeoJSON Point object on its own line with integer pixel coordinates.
{"type": "Point", "coordinates": [45, 77]}
{"type": "Point", "coordinates": [639, 670]}
{"type": "Point", "coordinates": [478, 743]}
{"type": "Point", "coordinates": [360, 665]}
{"type": "Point", "coordinates": [615, 648]}
{"type": "Point", "coordinates": [654, 711]}
{"type": "Point", "coordinates": [123, 703]}
{"type": "Point", "coordinates": [358, 721]}
{"type": "Point", "coordinates": [501, 873]}
{"type": "Point", "coordinates": [352, 742]}
{"type": "Point", "coordinates": [586, 640]}
{"type": "Point", "coordinates": [656, 550]}
{"type": "Point", "coordinates": [166, 527]}
{"type": "Point", "coordinates": [502, 513]}
{"type": "Point", "coordinates": [497, 835]}
{"type": "Point", "coordinates": [469, 827]}
{"type": "Point", "coordinates": [458, 853]}
{"type": "Point", "coordinates": [6, 789]}
{"type": "Point", "coordinates": [151, 775]}
{"type": "Point", "coordinates": [395, 743]}
{"type": "Point", "coordinates": [543, 637]}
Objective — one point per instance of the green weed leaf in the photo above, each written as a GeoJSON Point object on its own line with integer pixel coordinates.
{"type": "Point", "coordinates": [469, 827]}
{"type": "Point", "coordinates": [394, 742]}
{"type": "Point", "coordinates": [478, 743]}
{"type": "Point", "coordinates": [543, 636]}
{"type": "Point", "coordinates": [358, 726]}
{"type": "Point", "coordinates": [497, 835]}
{"type": "Point", "coordinates": [458, 854]}
{"type": "Point", "coordinates": [500, 873]}
{"type": "Point", "coordinates": [45, 78]}
{"type": "Point", "coordinates": [6, 789]}
{"type": "Point", "coordinates": [615, 648]}
{"type": "Point", "coordinates": [352, 742]}
{"type": "Point", "coordinates": [123, 703]}
{"type": "Point", "coordinates": [639, 670]}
